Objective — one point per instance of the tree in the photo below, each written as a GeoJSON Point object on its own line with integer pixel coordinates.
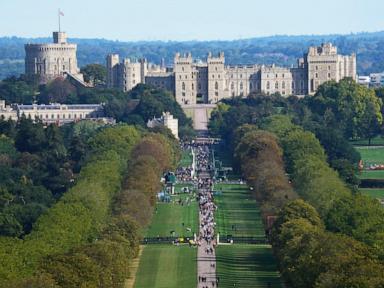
{"type": "Point", "coordinates": [96, 74]}
{"type": "Point", "coordinates": [59, 90]}
{"type": "Point", "coordinates": [354, 107]}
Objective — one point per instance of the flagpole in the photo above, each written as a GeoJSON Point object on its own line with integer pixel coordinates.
{"type": "Point", "coordinates": [58, 14]}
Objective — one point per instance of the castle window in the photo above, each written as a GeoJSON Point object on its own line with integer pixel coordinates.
{"type": "Point", "coordinates": [182, 69]}
{"type": "Point", "coordinates": [193, 87]}
{"type": "Point", "coordinates": [218, 76]}
{"type": "Point", "coordinates": [241, 86]}
{"type": "Point", "coordinates": [277, 75]}
{"type": "Point", "coordinates": [183, 86]}
{"type": "Point", "coordinates": [283, 75]}
{"type": "Point", "coordinates": [186, 77]}
{"type": "Point", "coordinates": [232, 86]}
{"type": "Point", "coordinates": [268, 85]}
{"type": "Point", "coordinates": [216, 93]}
{"type": "Point", "coordinates": [199, 86]}
{"type": "Point", "coordinates": [293, 85]}
{"type": "Point", "coordinates": [317, 75]}
{"type": "Point", "coordinates": [329, 67]}
{"type": "Point", "coordinates": [283, 85]}
{"type": "Point", "coordinates": [46, 116]}
{"type": "Point", "coordinates": [277, 85]}
{"type": "Point", "coordinates": [329, 75]}
{"type": "Point", "coordinates": [52, 116]}
{"type": "Point", "coordinates": [63, 67]}
{"type": "Point", "coordinates": [133, 75]}
{"type": "Point", "coordinates": [58, 116]}
{"type": "Point", "coordinates": [215, 68]}
{"type": "Point", "coordinates": [231, 75]}
{"type": "Point", "coordinates": [241, 75]}
{"type": "Point", "coordinates": [216, 85]}
{"type": "Point", "coordinates": [317, 68]}
{"type": "Point", "coordinates": [213, 76]}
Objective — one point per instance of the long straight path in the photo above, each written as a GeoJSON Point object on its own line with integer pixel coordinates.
{"type": "Point", "coordinates": [206, 256]}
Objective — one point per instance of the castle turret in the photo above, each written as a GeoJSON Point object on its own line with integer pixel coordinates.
{"type": "Point", "coordinates": [52, 60]}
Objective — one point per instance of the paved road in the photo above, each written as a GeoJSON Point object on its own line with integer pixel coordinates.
{"type": "Point", "coordinates": [206, 256]}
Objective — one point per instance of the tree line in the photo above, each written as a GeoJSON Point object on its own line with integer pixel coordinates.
{"type": "Point", "coordinates": [88, 238]}
{"type": "Point", "coordinates": [333, 237]}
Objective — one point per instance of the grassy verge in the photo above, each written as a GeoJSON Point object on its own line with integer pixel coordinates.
{"type": "Point", "coordinates": [186, 159]}
{"type": "Point", "coordinates": [171, 216]}
{"type": "Point", "coordinates": [238, 213]}
{"type": "Point", "coordinates": [167, 267]}
{"type": "Point", "coordinates": [374, 193]}
{"type": "Point", "coordinates": [246, 266]}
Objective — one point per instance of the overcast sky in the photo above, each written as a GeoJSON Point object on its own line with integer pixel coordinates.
{"type": "Point", "coordinates": [129, 20]}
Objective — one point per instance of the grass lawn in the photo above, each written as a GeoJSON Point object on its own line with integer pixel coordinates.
{"type": "Point", "coordinates": [180, 186]}
{"type": "Point", "coordinates": [375, 193]}
{"type": "Point", "coordinates": [238, 210]}
{"type": "Point", "coordinates": [373, 174]}
{"type": "Point", "coordinates": [371, 155]}
{"type": "Point", "coordinates": [166, 266]}
{"type": "Point", "coordinates": [170, 216]}
{"type": "Point", "coordinates": [246, 266]}
{"type": "Point", "coordinates": [186, 159]}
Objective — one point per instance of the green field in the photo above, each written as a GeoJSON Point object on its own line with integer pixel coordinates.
{"type": "Point", "coordinates": [371, 155]}
{"type": "Point", "coordinates": [246, 266]}
{"type": "Point", "coordinates": [170, 217]}
{"type": "Point", "coordinates": [238, 213]}
{"type": "Point", "coordinates": [180, 186]}
{"type": "Point", "coordinates": [375, 193]}
{"type": "Point", "coordinates": [373, 174]}
{"type": "Point", "coordinates": [186, 159]}
{"type": "Point", "coordinates": [167, 267]}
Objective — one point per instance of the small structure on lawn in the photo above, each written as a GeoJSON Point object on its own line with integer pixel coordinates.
{"type": "Point", "coordinates": [170, 182]}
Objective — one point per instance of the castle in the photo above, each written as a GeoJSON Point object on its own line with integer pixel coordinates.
{"type": "Point", "coordinates": [194, 82]}
{"type": "Point", "coordinates": [49, 61]}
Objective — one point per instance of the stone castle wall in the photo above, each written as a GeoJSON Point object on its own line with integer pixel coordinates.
{"type": "Point", "coordinates": [208, 82]}
{"type": "Point", "coordinates": [49, 61]}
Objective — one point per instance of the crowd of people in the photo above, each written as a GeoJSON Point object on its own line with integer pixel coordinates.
{"type": "Point", "coordinates": [206, 209]}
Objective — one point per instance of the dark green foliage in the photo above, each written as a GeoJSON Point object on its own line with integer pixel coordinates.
{"type": "Point", "coordinates": [312, 257]}
{"type": "Point", "coordinates": [17, 90]}
{"type": "Point", "coordinates": [95, 74]}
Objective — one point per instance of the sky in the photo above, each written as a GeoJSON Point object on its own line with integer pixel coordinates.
{"type": "Point", "coordinates": [132, 20]}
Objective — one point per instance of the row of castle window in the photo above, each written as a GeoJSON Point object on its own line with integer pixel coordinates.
{"type": "Point", "coordinates": [64, 116]}
{"type": "Point", "coordinates": [55, 48]}
{"type": "Point", "coordinates": [317, 68]}
{"type": "Point", "coordinates": [317, 75]}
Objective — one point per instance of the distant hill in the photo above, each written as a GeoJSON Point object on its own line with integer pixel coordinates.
{"type": "Point", "coordinates": [281, 50]}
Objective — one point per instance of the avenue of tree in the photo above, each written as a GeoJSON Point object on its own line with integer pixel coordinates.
{"type": "Point", "coordinates": [295, 155]}
{"type": "Point", "coordinates": [73, 199]}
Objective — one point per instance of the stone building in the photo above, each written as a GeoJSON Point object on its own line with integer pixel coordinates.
{"type": "Point", "coordinates": [49, 61]}
{"type": "Point", "coordinates": [127, 74]}
{"type": "Point", "coordinates": [193, 82]}
{"type": "Point", "coordinates": [324, 64]}
{"type": "Point", "coordinates": [166, 120]}
{"type": "Point", "coordinates": [53, 113]}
